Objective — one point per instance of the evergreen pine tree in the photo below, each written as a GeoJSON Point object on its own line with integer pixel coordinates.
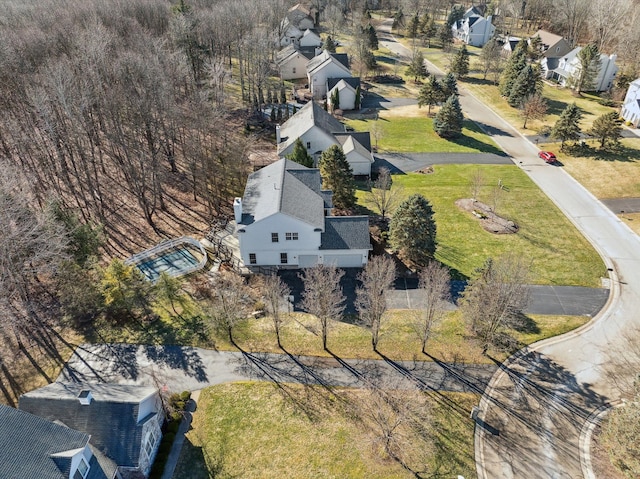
{"type": "Point", "coordinates": [273, 116]}
{"type": "Point", "coordinates": [449, 86]}
{"type": "Point", "coordinates": [430, 94]}
{"type": "Point", "coordinates": [300, 154]}
{"type": "Point", "coordinates": [414, 26]}
{"type": "Point", "coordinates": [585, 75]}
{"type": "Point", "coordinates": [460, 63]}
{"type": "Point", "coordinates": [516, 63]}
{"type": "Point", "coordinates": [417, 68]}
{"type": "Point", "coordinates": [445, 35]}
{"type": "Point", "coordinates": [568, 125]}
{"type": "Point", "coordinates": [337, 176]}
{"type": "Point", "coordinates": [528, 83]}
{"type": "Point", "coordinates": [607, 127]}
{"type": "Point", "coordinates": [283, 95]}
{"type": "Point", "coordinates": [448, 121]}
{"type": "Point", "coordinates": [329, 45]}
{"type": "Point", "coordinates": [372, 37]}
{"type": "Point", "coordinates": [412, 230]}
{"type": "Point", "coordinates": [358, 99]}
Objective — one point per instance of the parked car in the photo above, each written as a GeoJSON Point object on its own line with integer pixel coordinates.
{"type": "Point", "coordinates": [547, 156]}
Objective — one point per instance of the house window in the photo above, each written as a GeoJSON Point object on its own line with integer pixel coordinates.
{"type": "Point", "coordinates": [284, 258]}
{"type": "Point", "coordinates": [252, 258]}
{"type": "Point", "coordinates": [149, 443]}
{"type": "Point", "coordinates": [557, 49]}
{"type": "Point", "coordinates": [291, 236]}
{"type": "Point", "coordinates": [82, 470]}
{"type": "Point", "coordinates": [308, 145]}
{"type": "Point", "coordinates": [274, 237]}
{"type": "Point", "coordinates": [294, 70]}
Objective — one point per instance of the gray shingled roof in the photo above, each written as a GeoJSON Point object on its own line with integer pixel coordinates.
{"type": "Point", "coordinates": [27, 443]}
{"type": "Point", "coordinates": [306, 118]}
{"type": "Point", "coordinates": [362, 137]}
{"type": "Point", "coordinates": [345, 232]}
{"type": "Point", "coordinates": [324, 57]}
{"type": "Point", "coordinates": [354, 82]}
{"type": "Point", "coordinates": [283, 187]}
{"type": "Point", "coordinates": [111, 419]}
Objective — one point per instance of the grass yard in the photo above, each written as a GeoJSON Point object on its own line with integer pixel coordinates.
{"type": "Point", "coordinates": [559, 254]}
{"type": "Point", "coordinates": [260, 430]}
{"type": "Point", "coordinates": [413, 133]}
{"type": "Point", "coordinates": [632, 220]}
{"type": "Point", "coordinates": [606, 175]}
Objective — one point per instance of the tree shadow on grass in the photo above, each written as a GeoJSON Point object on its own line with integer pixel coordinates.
{"type": "Point", "coordinates": [471, 142]}
{"type": "Point", "coordinates": [525, 324]}
{"type": "Point", "coordinates": [617, 152]}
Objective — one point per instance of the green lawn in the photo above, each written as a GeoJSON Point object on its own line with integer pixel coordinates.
{"type": "Point", "coordinates": [260, 430]}
{"type": "Point", "coordinates": [559, 254]}
{"type": "Point", "coordinates": [413, 134]}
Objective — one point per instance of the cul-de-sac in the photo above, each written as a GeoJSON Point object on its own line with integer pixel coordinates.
{"type": "Point", "coordinates": [349, 239]}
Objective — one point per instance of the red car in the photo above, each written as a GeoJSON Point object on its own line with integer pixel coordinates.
{"type": "Point", "coordinates": [547, 156]}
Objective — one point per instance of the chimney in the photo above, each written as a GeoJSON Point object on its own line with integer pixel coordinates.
{"type": "Point", "coordinates": [85, 397]}
{"type": "Point", "coordinates": [278, 139]}
{"type": "Point", "coordinates": [237, 210]}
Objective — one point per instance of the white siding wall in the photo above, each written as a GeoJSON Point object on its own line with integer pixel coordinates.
{"type": "Point", "coordinates": [318, 139]}
{"type": "Point", "coordinates": [310, 41]}
{"type": "Point", "coordinates": [359, 164]}
{"type": "Point", "coordinates": [294, 68]}
{"type": "Point", "coordinates": [347, 98]}
{"type": "Point", "coordinates": [318, 82]}
{"type": "Point", "coordinates": [257, 239]}
{"type": "Point", "coordinates": [149, 405]}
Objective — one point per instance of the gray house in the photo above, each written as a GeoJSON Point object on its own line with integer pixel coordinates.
{"type": "Point", "coordinates": [123, 421]}
{"type": "Point", "coordinates": [34, 448]}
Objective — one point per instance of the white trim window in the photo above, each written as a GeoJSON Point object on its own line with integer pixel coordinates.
{"type": "Point", "coordinates": [82, 469]}
{"type": "Point", "coordinates": [149, 443]}
{"type": "Point", "coordinates": [291, 236]}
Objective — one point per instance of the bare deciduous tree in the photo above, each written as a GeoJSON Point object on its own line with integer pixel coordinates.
{"type": "Point", "coordinates": [275, 292]}
{"type": "Point", "coordinates": [493, 302]}
{"type": "Point", "coordinates": [230, 303]}
{"type": "Point", "coordinates": [534, 107]}
{"type": "Point", "coordinates": [323, 296]}
{"type": "Point", "coordinates": [477, 182]}
{"type": "Point", "coordinates": [435, 286]}
{"type": "Point", "coordinates": [382, 197]}
{"type": "Point", "coordinates": [376, 277]}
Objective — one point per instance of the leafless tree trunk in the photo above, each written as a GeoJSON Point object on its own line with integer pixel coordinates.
{"type": "Point", "coordinates": [323, 296]}
{"type": "Point", "coordinates": [230, 304]}
{"type": "Point", "coordinates": [376, 277]}
{"type": "Point", "coordinates": [275, 292]}
{"type": "Point", "coordinates": [435, 286]}
{"type": "Point", "coordinates": [477, 182]}
{"type": "Point", "coordinates": [382, 197]}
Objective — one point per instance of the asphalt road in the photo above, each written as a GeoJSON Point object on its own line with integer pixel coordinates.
{"type": "Point", "coordinates": [533, 414]}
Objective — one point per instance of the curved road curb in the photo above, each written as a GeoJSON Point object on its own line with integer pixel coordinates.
{"type": "Point", "coordinates": [586, 434]}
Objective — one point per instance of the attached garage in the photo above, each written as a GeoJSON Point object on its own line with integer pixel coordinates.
{"type": "Point", "coordinates": [307, 260]}
{"type": "Point", "coordinates": [344, 260]}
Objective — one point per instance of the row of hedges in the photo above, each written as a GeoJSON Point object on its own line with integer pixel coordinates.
{"type": "Point", "coordinates": [176, 406]}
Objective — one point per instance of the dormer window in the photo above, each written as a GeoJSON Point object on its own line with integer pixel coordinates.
{"type": "Point", "coordinates": [82, 470]}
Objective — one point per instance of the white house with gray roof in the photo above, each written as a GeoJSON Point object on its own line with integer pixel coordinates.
{"type": "Point", "coordinates": [569, 66]}
{"type": "Point", "coordinates": [323, 66]}
{"type": "Point", "coordinates": [631, 105]}
{"type": "Point", "coordinates": [318, 130]}
{"type": "Point", "coordinates": [32, 447]}
{"type": "Point", "coordinates": [284, 221]}
{"type": "Point", "coordinates": [347, 89]}
{"type": "Point", "coordinates": [292, 63]}
{"type": "Point", "coordinates": [473, 28]}
{"type": "Point", "coordinates": [124, 421]}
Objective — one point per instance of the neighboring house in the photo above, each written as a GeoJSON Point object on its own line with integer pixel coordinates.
{"type": "Point", "coordinates": [569, 65]}
{"type": "Point", "coordinates": [631, 105]}
{"type": "Point", "coordinates": [553, 46]}
{"type": "Point", "coordinates": [124, 421]}
{"type": "Point", "coordinates": [292, 63]}
{"type": "Point", "coordinates": [509, 44]}
{"type": "Point", "coordinates": [283, 221]}
{"type": "Point", "coordinates": [34, 448]}
{"type": "Point", "coordinates": [301, 17]}
{"type": "Point", "coordinates": [310, 39]}
{"type": "Point", "coordinates": [357, 148]}
{"type": "Point", "coordinates": [473, 29]}
{"type": "Point", "coordinates": [318, 130]}
{"type": "Point", "coordinates": [323, 66]}
{"type": "Point", "coordinates": [347, 92]}
{"type": "Point", "coordinates": [315, 128]}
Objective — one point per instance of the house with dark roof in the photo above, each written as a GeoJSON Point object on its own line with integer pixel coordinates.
{"type": "Point", "coordinates": [631, 105]}
{"type": "Point", "coordinates": [473, 29]}
{"type": "Point", "coordinates": [348, 92]}
{"type": "Point", "coordinates": [284, 220]}
{"type": "Point", "coordinates": [318, 130]}
{"type": "Point", "coordinates": [569, 66]}
{"type": "Point", "coordinates": [323, 66]}
{"type": "Point", "coordinates": [124, 421]}
{"type": "Point", "coordinates": [298, 21]}
{"type": "Point", "coordinates": [34, 448]}
{"type": "Point", "coordinates": [292, 62]}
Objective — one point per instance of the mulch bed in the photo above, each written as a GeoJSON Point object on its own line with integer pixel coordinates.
{"type": "Point", "coordinates": [490, 221]}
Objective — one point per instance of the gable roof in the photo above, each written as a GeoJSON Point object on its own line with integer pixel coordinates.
{"type": "Point", "coordinates": [306, 118]}
{"type": "Point", "coordinates": [290, 52]}
{"type": "Point", "coordinates": [111, 418]}
{"type": "Point", "coordinates": [284, 187]}
{"type": "Point", "coordinates": [362, 137]}
{"type": "Point", "coordinates": [474, 11]}
{"type": "Point", "coordinates": [33, 448]}
{"type": "Point", "coordinates": [353, 82]}
{"type": "Point", "coordinates": [345, 232]}
{"type": "Point", "coordinates": [308, 32]}
{"type": "Point", "coordinates": [324, 58]}
{"type": "Point", "coordinates": [297, 13]}
{"type": "Point", "coordinates": [350, 144]}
